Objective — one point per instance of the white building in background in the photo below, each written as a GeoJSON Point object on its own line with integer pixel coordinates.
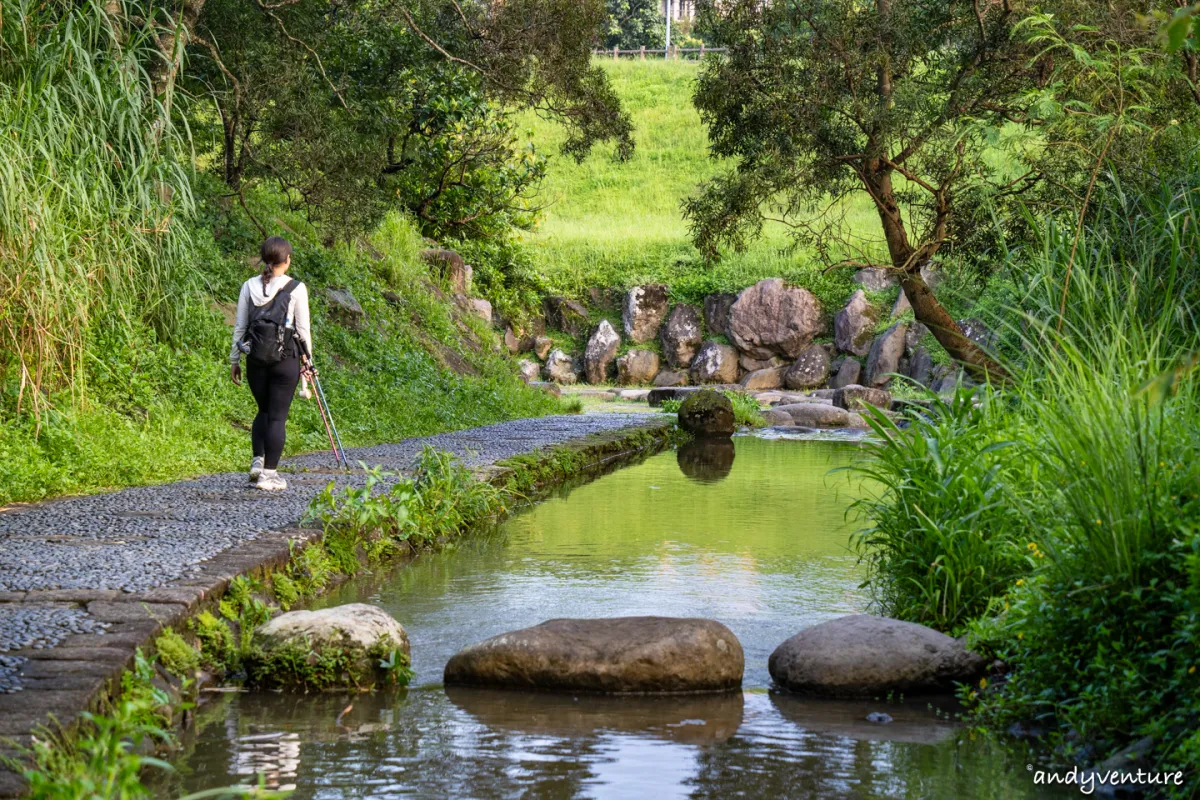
{"type": "Point", "coordinates": [679, 9]}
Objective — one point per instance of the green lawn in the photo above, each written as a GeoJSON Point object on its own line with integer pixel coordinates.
{"type": "Point", "coordinates": [618, 224]}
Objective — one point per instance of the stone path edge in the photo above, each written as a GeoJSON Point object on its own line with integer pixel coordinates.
{"type": "Point", "coordinates": [84, 675]}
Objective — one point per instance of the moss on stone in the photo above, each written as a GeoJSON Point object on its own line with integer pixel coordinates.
{"type": "Point", "coordinates": [296, 666]}
{"type": "Point", "coordinates": [707, 413]}
{"type": "Point", "coordinates": [174, 653]}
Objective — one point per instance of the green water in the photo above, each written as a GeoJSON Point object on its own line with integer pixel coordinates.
{"type": "Point", "coordinates": [753, 535]}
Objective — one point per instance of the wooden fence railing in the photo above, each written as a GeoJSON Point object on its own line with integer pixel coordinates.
{"type": "Point", "coordinates": [672, 52]}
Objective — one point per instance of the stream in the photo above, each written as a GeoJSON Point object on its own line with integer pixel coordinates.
{"type": "Point", "coordinates": [753, 534]}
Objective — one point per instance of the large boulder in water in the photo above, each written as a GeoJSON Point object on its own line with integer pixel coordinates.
{"type": "Point", "coordinates": [772, 318]}
{"type": "Point", "coordinates": [644, 310]}
{"type": "Point", "coordinates": [863, 655]}
{"type": "Point", "coordinates": [286, 652]}
{"type": "Point", "coordinates": [601, 350]}
{"type": "Point", "coordinates": [816, 415]}
{"type": "Point", "coordinates": [707, 413]}
{"type": "Point", "coordinates": [622, 655]}
{"type": "Point", "coordinates": [681, 335]}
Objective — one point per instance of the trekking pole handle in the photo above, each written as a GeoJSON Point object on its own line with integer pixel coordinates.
{"type": "Point", "coordinates": [305, 356]}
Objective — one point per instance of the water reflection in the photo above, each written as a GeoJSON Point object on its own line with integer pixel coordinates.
{"type": "Point", "coordinates": [763, 550]}
{"type": "Point", "coordinates": [689, 719]}
{"type": "Point", "coordinates": [706, 459]}
{"type": "Point", "coordinates": [274, 757]}
{"type": "Point", "coordinates": [917, 721]}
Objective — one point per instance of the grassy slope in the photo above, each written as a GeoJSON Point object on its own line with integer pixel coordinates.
{"type": "Point", "coordinates": [152, 412]}
{"type": "Point", "coordinates": [614, 224]}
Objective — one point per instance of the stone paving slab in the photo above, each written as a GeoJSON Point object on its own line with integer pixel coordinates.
{"type": "Point", "coordinates": [84, 581]}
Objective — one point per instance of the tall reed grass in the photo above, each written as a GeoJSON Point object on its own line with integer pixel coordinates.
{"type": "Point", "coordinates": [92, 180]}
{"type": "Point", "coordinates": [1088, 468]}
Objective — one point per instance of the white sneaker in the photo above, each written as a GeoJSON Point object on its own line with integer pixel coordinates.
{"type": "Point", "coordinates": [256, 468]}
{"type": "Point", "coordinates": [269, 481]}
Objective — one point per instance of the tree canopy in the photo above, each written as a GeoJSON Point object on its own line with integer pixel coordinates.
{"type": "Point", "coordinates": [635, 23]}
{"type": "Point", "coordinates": [356, 106]}
{"type": "Point", "coordinates": [928, 107]}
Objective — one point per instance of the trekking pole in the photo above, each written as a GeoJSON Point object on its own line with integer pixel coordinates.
{"type": "Point", "coordinates": [335, 441]}
{"type": "Point", "coordinates": [328, 430]}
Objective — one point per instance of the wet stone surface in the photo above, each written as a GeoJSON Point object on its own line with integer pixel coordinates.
{"type": "Point", "coordinates": [10, 668]}
{"type": "Point", "coordinates": [37, 626]}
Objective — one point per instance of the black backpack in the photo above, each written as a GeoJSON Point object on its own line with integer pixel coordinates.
{"type": "Point", "coordinates": [267, 338]}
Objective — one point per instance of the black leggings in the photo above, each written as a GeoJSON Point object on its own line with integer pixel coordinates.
{"type": "Point", "coordinates": [273, 386]}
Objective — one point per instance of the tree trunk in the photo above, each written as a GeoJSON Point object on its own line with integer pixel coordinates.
{"type": "Point", "coordinates": [933, 315]}
{"type": "Point", "coordinates": [162, 69]}
{"type": "Point", "coordinates": [925, 305]}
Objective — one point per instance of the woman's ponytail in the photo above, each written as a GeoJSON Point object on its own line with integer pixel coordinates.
{"type": "Point", "coordinates": [274, 251]}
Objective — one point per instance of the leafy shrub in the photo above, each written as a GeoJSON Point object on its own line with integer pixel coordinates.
{"type": "Point", "coordinates": [441, 499]}
{"type": "Point", "coordinates": [1087, 481]}
{"type": "Point", "coordinates": [448, 497]}
{"type": "Point", "coordinates": [944, 538]}
{"type": "Point", "coordinates": [217, 649]}
{"type": "Point", "coordinates": [745, 409]}
{"type": "Point", "coordinates": [240, 605]}
{"type": "Point", "coordinates": [179, 657]}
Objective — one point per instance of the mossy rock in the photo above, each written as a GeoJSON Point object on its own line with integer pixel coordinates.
{"type": "Point", "coordinates": [707, 413]}
{"type": "Point", "coordinates": [354, 646]}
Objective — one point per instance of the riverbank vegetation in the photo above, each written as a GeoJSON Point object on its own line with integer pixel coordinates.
{"type": "Point", "coordinates": [607, 223]}
{"type": "Point", "coordinates": [390, 516]}
{"type": "Point", "coordinates": [1057, 522]}
{"type": "Point", "coordinates": [146, 151]}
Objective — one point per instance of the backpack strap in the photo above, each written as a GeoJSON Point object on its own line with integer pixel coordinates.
{"type": "Point", "coordinates": [283, 294]}
{"type": "Point", "coordinates": [286, 291]}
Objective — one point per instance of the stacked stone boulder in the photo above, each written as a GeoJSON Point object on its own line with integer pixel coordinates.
{"type": "Point", "coordinates": [714, 363]}
{"type": "Point", "coordinates": [810, 370]}
{"type": "Point", "coordinates": [770, 336]}
{"type": "Point", "coordinates": [601, 352]}
{"type": "Point", "coordinates": [681, 336]}
{"type": "Point", "coordinates": [637, 367]}
{"type": "Point", "coordinates": [771, 318]}
{"type": "Point", "coordinates": [561, 368]}
{"type": "Point", "coordinates": [644, 310]}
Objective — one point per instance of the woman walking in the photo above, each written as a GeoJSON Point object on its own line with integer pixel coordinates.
{"type": "Point", "coordinates": [272, 309]}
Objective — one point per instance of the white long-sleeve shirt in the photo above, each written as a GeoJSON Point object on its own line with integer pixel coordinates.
{"type": "Point", "coordinates": [254, 293]}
